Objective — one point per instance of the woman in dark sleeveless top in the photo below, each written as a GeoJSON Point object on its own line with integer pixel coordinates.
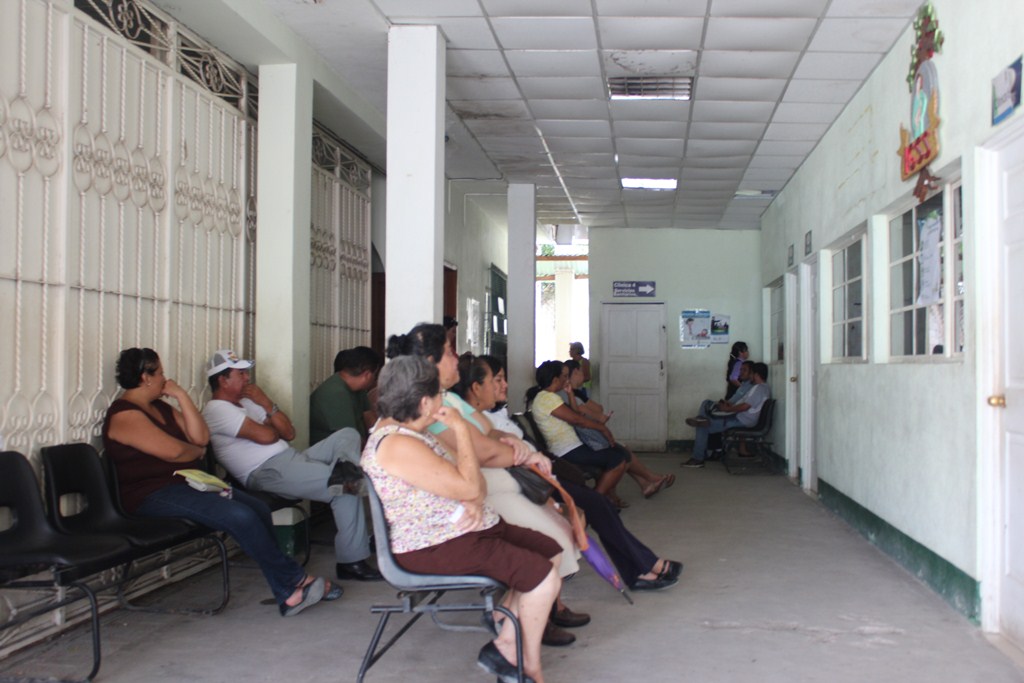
{"type": "Point", "coordinates": [147, 440]}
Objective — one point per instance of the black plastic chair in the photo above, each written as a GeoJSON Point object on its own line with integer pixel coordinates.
{"type": "Point", "coordinates": [71, 469]}
{"type": "Point", "coordinates": [756, 437]}
{"type": "Point", "coordinates": [31, 545]}
{"type": "Point", "coordinates": [418, 594]}
{"type": "Point", "coordinates": [532, 432]}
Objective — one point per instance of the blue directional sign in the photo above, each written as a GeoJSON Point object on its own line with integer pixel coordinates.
{"type": "Point", "coordinates": [633, 288]}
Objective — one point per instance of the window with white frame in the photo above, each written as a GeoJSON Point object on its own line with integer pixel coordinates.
{"type": "Point", "coordinates": [848, 301]}
{"type": "Point", "coordinates": [776, 350]}
{"type": "Point", "coordinates": [920, 275]}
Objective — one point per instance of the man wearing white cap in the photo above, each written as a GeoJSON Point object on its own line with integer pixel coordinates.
{"type": "Point", "coordinates": [250, 436]}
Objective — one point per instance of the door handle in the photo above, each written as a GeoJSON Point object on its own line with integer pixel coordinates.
{"type": "Point", "coordinates": [793, 378]}
{"type": "Point", "coordinates": [997, 401]}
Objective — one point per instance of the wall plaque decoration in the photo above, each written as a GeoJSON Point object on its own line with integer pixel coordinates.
{"type": "Point", "coordinates": [919, 146]}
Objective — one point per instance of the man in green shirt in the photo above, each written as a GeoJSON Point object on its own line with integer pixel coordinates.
{"type": "Point", "coordinates": [342, 399]}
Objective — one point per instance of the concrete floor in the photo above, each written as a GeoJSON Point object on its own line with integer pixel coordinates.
{"type": "Point", "coordinates": [775, 589]}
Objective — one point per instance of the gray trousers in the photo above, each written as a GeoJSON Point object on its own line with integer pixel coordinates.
{"type": "Point", "coordinates": [304, 475]}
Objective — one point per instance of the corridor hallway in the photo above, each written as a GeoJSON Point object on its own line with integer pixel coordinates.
{"type": "Point", "coordinates": [775, 589]}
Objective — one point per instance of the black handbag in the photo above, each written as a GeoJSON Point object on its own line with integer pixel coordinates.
{"type": "Point", "coordinates": [536, 488]}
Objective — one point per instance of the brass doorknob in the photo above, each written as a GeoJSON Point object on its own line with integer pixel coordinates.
{"type": "Point", "coordinates": [793, 378]}
{"type": "Point", "coordinates": [997, 401]}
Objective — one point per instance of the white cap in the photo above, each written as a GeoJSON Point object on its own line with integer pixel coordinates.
{"type": "Point", "coordinates": [224, 359]}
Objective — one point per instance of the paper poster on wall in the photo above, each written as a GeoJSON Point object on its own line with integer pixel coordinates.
{"type": "Point", "coordinates": [929, 259]}
{"type": "Point", "coordinates": [720, 328]}
{"type": "Point", "coordinates": [695, 328]}
{"type": "Point", "coordinates": [1006, 92]}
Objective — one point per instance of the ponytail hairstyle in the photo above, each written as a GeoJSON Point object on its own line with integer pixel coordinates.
{"type": "Point", "coordinates": [426, 340]}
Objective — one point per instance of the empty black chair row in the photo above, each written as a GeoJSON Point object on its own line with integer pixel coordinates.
{"type": "Point", "coordinates": [72, 547]}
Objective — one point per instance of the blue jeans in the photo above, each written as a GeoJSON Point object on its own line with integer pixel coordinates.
{"type": "Point", "coordinates": [715, 426]}
{"type": "Point", "coordinates": [244, 518]}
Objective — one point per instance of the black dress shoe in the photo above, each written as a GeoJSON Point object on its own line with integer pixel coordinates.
{"type": "Point", "coordinates": [346, 477]}
{"type": "Point", "coordinates": [674, 569]}
{"type": "Point", "coordinates": [566, 618]}
{"type": "Point", "coordinates": [493, 662]}
{"type": "Point", "coordinates": [653, 584]}
{"type": "Point", "coordinates": [357, 571]}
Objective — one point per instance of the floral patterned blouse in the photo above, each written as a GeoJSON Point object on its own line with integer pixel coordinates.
{"type": "Point", "coordinates": [417, 518]}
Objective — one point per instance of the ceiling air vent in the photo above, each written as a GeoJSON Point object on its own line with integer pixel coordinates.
{"type": "Point", "coordinates": [650, 87]}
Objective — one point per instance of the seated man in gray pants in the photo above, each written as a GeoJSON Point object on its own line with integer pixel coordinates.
{"type": "Point", "coordinates": [250, 436]}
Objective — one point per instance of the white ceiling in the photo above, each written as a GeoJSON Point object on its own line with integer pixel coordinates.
{"type": "Point", "coordinates": [528, 102]}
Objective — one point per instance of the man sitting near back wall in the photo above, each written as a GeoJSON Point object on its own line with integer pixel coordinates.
{"type": "Point", "coordinates": [250, 436]}
{"type": "Point", "coordinates": [745, 413]}
{"type": "Point", "coordinates": [342, 400]}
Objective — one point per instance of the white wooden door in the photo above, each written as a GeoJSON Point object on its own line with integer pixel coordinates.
{"type": "Point", "coordinates": [806, 383]}
{"type": "Point", "coordinates": [1011, 218]}
{"type": "Point", "coordinates": [632, 373]}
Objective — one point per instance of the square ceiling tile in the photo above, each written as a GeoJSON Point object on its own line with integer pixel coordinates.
{"type": "Point", "coordinates": [646, 169]}
{"type": "Point", "coordinates": [874, 8]}
{"type": "Point", "coordinates": [545, 33]}
{"type": "Point", "coordinates": [732, 112]}
{"type": "Point", "coordinates": [720, 148]}
{"type": "Point", "coordinates": [569, 109]}
{"type": "Point", "coordinates": [601, 184]}
{"type": "Point", "coordinates": [651, 8]}
{"type": "Point", "coordinates": [582, 88]}
{"type": "Point", "coordinates": [857, 35]}
{"type": "Point", "coordinates": [650, 110]}
{"type": "Point", "coordinates": [736, 64]}
{"type": "Point", "coordinates": [758, 34]}
{"type": "Point", "coordinates": [767, 161]}
{"type": "Point", "coordinates": [650, 33]}
{"type": "Point", "coordinates": [554, 62]}
{"type": "Point", "coordinates": [739, 89]}
{"type": "Point", "coordinates": [476, 63]}
{"type": "Point", "coordinates": [651, 147]}
{"type": "Point", "coordinates": [649, 62]}
{"type": "Point", "coordinates": [762, 185]}
{"type": "Point", "coordinates": [536, 8]}
{"type": "Point", "coordinates": [774, 8]}
{"type": "Point", "coordinates": [806, 112]}
{"type": "Point", "coordinates": [511, 144]}
{"type": "Point", "coordinates": [490, 109]}
{"type": "Point", "coordinates": [578, 128]}
{"type": "Point", "coordinates": [795, 131]}
{"type": "Point", "coordinates": [650, 129]}
{"type": "Point", "coordinates": [437, 8]}
{"type": "Point", "coordinates": [837, 65]}
{"type": "Point", "coordinates": [460, 88]}
{"type": "Point", "coordinates": [727, 161]}
{"type": "Point", "coordinates": [493, 127]}
{"type": "Point", "coordinates": [585, 145]}
{"type": "Point", "coordinates": [711, 174]}
{"type": "Point", "coordinates": [705, 130]}
{"type": "Point", "coordinates": [781, 174]}
{"type": "Point", "coordinates": [829, 92]}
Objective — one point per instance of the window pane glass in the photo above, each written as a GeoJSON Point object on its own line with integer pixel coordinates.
{"type": "Point", "coordinates": [958, 271]}
{"type": "Point", "coordinates": [936, 329]}
{"type": "Point", "coordinates": [853, 340]}
{"type": "Point", "coordinates": [838, 305]}
{"type": "Point", "coordinates": [901, 283]}
{"type": "Point", "coordinates": [958, 327]}
{"type": "Point", "coordinates": [958, 213]}
{"type": "Point", "coordinates": [853, 259]}
{"type": "Point", "coordinates": [838, 350]}
{"type": "Point", "coordinates": [920, 331]}
{"type": "Point", "coordinates": [853, 297]}
{"type": "Point", "coordinates": [901, 236]}
{"type": "Point", "coordinates": [837, 268]}
{"type": "Point", "coordinates": [902, 329]}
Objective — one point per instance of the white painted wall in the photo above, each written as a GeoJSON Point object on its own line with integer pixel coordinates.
{"type": "Point", "coordinates": [472, 242]}
{"type": "Point", "coordinates": [898, 437]}
{"type": "Point", "coordinates": [715, 269]}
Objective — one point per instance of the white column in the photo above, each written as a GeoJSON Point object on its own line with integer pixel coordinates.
{"type": "Point", "coordinates": [282, 239]}
{"type": "Point", "coordinates": [415, 187]}
{"type": "Point", "coordinates": [522, 250]}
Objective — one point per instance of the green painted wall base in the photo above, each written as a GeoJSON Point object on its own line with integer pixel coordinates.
{"type": "Point", "coordinates": [961, 591]}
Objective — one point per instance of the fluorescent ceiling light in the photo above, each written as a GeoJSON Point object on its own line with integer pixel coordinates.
{"type": "Point", "coordinates": [649, 183]}
{"type": "Point", "coordinates": [755, 194]}
{"type": "Point", "coordinates": [650, 87]}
